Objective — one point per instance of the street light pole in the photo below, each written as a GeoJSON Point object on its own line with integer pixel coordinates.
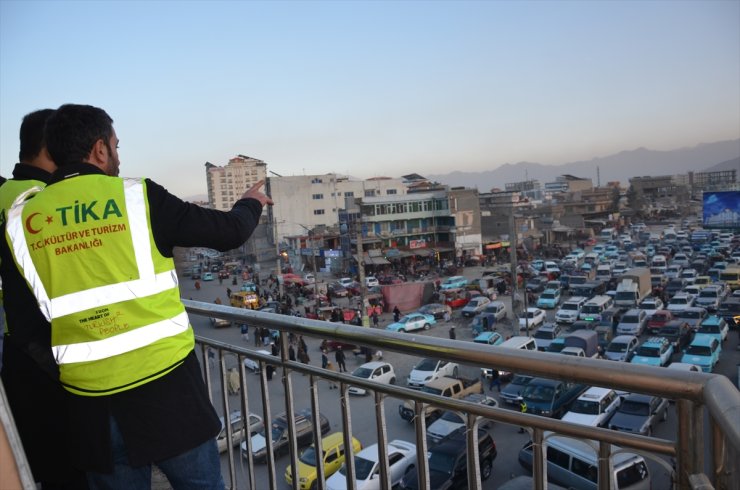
{"type": "Point", "coordinates": [315, 271]}
{"type": "Point", "coordinates": [512, 252]}
{"type": "Point", "coordinates": [361, 275]}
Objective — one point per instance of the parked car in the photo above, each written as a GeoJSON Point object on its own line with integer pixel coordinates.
{"type": "Point", "coordinates": [536, 284]}
{"type": "Point", "coordinates": [710, 297]}
{"type": "Point", "coordinates": [454, 282]}
{"type": "Point", "coordinates": [482, 322]}
{"type": "Point", "coordinates": [337, 290]}
{"type": "Point", "coordinates": [693, 316]}
{"type": "Point", "coordinates": [435, 309]}
{"type": "Point", "coordinates": [489, 338]}
{"type": "Point", "coordinates": [303, 434]}
{"type": "Point", "coordinates": [533, 318]}
{"type": "Point", "coordinates": [208, 276]}
{"type": "Point", "coordinates": [332, 458]}
{"type": "Point", "coordinates": [639, 414]}
{"type": "Point", "coordinates": [371, 281]}
{"type": "Point", "coordinates": [594, 407]}
{"type": "Point", "coordinates": [678, 333]}
{"type": "Point", "coordinates": [428, 369]}
{"type": "Point", "coordinates": [651, 305]}
{"type": "Point", "coordinates": [237, 429]}
{"type": "Point", "coordinates": [497, 308]}
{"type": "Point", "coordinates": [377, 371]}
{"type": "Point", "coordinates": [655, 351]}
{"type": "Point", "coordinates": [411, 322]}
{"type": "Point", "coordinates": [511, 394]}
{"type": "Point", "coordinates": [622, 348]}
{"type": "Point", "coordinates": [703, 351]}
{"type": "Point", "coordinates": [475, 306]}
{"type": "Point", "coordinates": [679, 302]}
{"type": "Point", "coordinates": [401, 460]}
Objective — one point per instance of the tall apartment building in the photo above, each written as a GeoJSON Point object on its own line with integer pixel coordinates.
{"type": "Point", "coordinates": [308, 201]}
{"type": "Point", "coordinates": [226, 184]}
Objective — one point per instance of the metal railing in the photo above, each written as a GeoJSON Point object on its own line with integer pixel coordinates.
{"type": "Point", "coordinates": [692, 392]}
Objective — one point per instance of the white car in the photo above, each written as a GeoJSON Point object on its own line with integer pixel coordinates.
{"type": "Point", "coordinates": [534, 317]}
{"type": "Point", "coordinates": [475, 306]}
{"type": "Point", "coordinates": [594, 407]}
{"type": "Point", "coordinates": [371, 281]}
{"type": "Point", "coordinates": [429, 369]}
{"type": "Point", "coordinates": [309, 278]}
{"type": "Point", "coordinates": [651, 305]}
{"type": "Point", "coordinates": [237, 429]}
{"type": "Point", "coordinates": [401, 458]}
{"type": "Point", "coordinates": [376, 371]}
{"type": "Point", "coordinates": [346, 281]}
{"type": "Point", "coordinates": [679, 302]}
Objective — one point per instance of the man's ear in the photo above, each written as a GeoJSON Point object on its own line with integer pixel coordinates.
{"type": "Point", "coordinates": [99, 153]}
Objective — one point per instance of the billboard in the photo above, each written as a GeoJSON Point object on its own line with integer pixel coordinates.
{"type": "Point", "coordinates": [721, 209]}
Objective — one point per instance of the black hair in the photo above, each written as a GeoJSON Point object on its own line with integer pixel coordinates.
{"type": "Point", "coordinates": [71, 132]}
{"type": "Point", "coordinates": [32, 134]}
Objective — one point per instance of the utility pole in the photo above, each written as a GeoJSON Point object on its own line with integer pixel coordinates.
{"type": "Point", "coordinates": [512, 252]}
{"type": "Point", "coordinates": [315, 271]}
{"type": "Point", "coordinates": [278, 270]}
{"type": "Point", "coordinates": [361, 275]}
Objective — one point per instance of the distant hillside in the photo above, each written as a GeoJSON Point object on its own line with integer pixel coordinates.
{"type": "Point", "coordinates": [621, 166]}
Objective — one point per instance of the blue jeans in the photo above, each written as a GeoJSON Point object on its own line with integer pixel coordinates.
{"type": "Point", "coordinates": [199, 468]}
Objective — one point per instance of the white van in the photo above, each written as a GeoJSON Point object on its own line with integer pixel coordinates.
{"type": "Point", "coordinates": [608, 234]}
{"type": "Point", "coordinates": [516, 342]}
{"type": "Point", "coordinates": [659, 262]}
{"type": "Point", "coordinates": [592, 310]}
{"type": "Point", "coordinates": [574, 464]}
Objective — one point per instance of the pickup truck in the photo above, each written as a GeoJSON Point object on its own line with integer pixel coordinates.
{"type": "Point", "coordinates": [582, 343]}
{"type": "Point", "coordinates": [550, 398]}
{"type": "Point", "coordinates": [448, 387]}
{"type": "Point", "coordinates": [448, 463]}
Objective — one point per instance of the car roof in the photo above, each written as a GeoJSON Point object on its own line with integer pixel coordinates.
{"type": "Point", "coordinates": [623, 338]}
{"type": "Point", "coordinates": [703, 340]}
{"type": "Point", "coordinates": [373, 364]}
{"type": "Point", "coordinates": [595, 393]}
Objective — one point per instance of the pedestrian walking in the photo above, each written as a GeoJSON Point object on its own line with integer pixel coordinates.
{"type": "Point", "coordinates": [339, 357]}
{"type": "Point", "coordinates": [228, 293]}
{"type": "Point", "coordinates": [332, 383]}
{"type": "Point", "coordinates": [291, 352]}
{"type": "Point", "coordinates": [302, 343]}
{"type": "Point", "coordinates": [303, 356]}
{"type": "Point", "coordinates": [447, 316]}
{"type": "Point", "coordinates": [375, 319]}
{"type": "Point", "coordinates": [245, 332]}
{"type": "Point", "coordinates": [452, 333]}
{"type": "Point", "coordinates": [324, 358]}
{"type": "Point", "coordinates": [495, 380]}
{"type": "Point", "coordinates": [396, 313]}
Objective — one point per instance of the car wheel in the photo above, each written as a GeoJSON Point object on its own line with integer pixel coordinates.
{"type": "Point", "coordinates": [426, 326]}
{"type": "Point", "coordinates": [485, 469]}
{"type": "Point", "coordinates": [665, 415]}
{"type": "Point", "coordinates": [403, 330]}
{"type": "Point", "coordinates": [454, 373]}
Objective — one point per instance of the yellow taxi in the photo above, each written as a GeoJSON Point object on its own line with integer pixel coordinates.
{"type": "Point", "coordinates": [333, 459]}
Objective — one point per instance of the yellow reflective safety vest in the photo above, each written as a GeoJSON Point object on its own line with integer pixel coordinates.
{"type": "Point", "coordinates": [9, 191]}
{"type": "Point", "coordinates": [86, 249]}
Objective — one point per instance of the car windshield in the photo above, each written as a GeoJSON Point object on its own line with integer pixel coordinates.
{"type": "Point", "coordinates": [547, 296]}
{"type": "Point", "coordinates": [689, 314]}
{"type": "Point", "coordinates": [669, 331]}
{"type": "Point", "coordinates": [630, 319]}
{"type": "Point", "coordinates": [442, 462]}
{"type": "Point", "coordinates": [363, 468]}
{"type": "Point", "coordinates": [679, 301]}
{"type": "Point", "coordinates": [531, 314]}
{"type": "Point", "coordinates": [452, 417]}
{"type": "Point", "coordinates": [586, 407]}
{"type": "Point", "coordinates": [538, 393]}
{"type": "Point", "coordinates": [544, 334]}
{"type": "Point", "coordinates": [699, 350]}
{"type": "Point", "coordinates": [660, 317]}
{"type": "Point", "coordinates": [617, 347]}
{"type": "Point", "coordinates": [520, 380]}
{"type": "Point", "coordinates": [362, 372]}
{"type": "Point", "coordinates": [309, 456]}
{"type": "Point", "coordinates": [648, 305]}
{"type": "Point", "coordinates": [708, 294]}
{"type": "Point", "coordinates": [570, 306]}
{"type": "Point", "coordinates": [709, 329]}
{"type": "Point", "coordinates": [426, 365]}
{"type": "Point", "coordinates": [634, 408]}
{"type": "Point", "coordinates": [632, 475]}
{"type": "Point", "coordinates": [648, 351]}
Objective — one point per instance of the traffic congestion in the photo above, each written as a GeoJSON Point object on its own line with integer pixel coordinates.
{"type": "Point", "coordinates": [663, 296]}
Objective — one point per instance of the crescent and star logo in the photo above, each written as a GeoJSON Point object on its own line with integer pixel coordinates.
{"type": "Point", "coordinates": [29, 225]}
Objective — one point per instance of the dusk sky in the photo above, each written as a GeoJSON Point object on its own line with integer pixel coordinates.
{"type": "Point", "coordinates": [374, 88]}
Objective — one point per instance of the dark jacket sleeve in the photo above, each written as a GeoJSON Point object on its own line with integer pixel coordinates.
{"type": "Point", "coordinates": [176, 223]}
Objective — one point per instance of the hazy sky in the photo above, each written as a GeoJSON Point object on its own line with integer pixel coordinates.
{"type": "Point", "coordinates": [374, 88]}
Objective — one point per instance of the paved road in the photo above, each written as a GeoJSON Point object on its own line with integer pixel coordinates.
{"type": "Point", "coordinates": [508, 440]}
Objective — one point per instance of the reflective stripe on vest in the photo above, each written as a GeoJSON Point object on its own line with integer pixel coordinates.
{"type": "Point", "coordinates": [106, 338]}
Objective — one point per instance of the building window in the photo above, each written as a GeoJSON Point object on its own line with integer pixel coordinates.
{"type": "Point", "coordinates": [369, 192]}
{"type": "Point", "coordinates": [391, 192]}
{"type": "Point", "coordinates": [317, 181]}
{"type": "Point", "coordinates": [317, 196]}
{"type": "Point", "coordinates": [349, 194]}
{"type": "Point", "coordinates": [318, 211]}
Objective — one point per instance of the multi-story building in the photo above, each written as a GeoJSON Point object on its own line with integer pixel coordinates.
{"type": "Point", "coordinates": [226, 184]}
{"type": "Point", "coordinates": [568, 183]}
{"type": "Point", "coordinates": [465, 208]}
{"type": "Point", "coordinates": [308, 201]}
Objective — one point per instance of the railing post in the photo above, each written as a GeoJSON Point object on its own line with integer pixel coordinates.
{"type": "Point", "coordinates": [317, 436]}
{"type": "Point", "coordinates": [290, 410]}
{"type": "Point", "coordinates": [422, 465]}
{"type": "Point", "coordinates": [685, 460]}
{"type": "Point", "coordinates": [719, 458]}
{"type": "Point", "coordinates": [246, 421]}
{"type": "Point", "coordinates": [385, 477]}
{"type": "Point", "coordinates": [267, 418]}
{"type": "Point", "coordinates": [539, 460]}
{"type": "Point", "coordinates": [474, 480]}
{"type": "Point", "coordinates": [349, 463]}
{"type": "Point", "coordinates": [605, 466]}
{"type": "Point", "coordinates": [227, 416]}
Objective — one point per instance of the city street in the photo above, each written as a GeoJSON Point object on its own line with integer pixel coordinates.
{"type": "Point", "coordinates": [508, 440]}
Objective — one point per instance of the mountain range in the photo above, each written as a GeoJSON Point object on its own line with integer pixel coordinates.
{"type": "Point", "coordinates": [721, 155]}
